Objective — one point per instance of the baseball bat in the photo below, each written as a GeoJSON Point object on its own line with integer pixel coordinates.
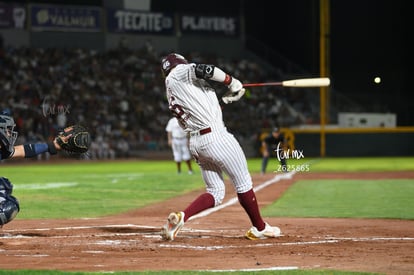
{"type": "Point", "coordinates": [302, 82]}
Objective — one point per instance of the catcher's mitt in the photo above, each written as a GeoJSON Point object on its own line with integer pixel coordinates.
{"type": "Point", "coordinates": [74, 139]}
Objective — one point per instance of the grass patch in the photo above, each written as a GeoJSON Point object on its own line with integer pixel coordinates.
{"type": "Point", "coordinates": [360, 164]}
{"type": "Point", "coordinates": [89, 189]}
{"type": "Point", "coordinates": [346, 199]}
{"type": "Point", "coordinates": [363, 164]}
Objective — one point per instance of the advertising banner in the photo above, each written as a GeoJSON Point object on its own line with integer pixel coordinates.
{"type": "Point", "coordinates": [213, 25]}
{"type": "Point", "coordinates": [65, 18]}
{"type": "Point", "coordinates": [135, 21]}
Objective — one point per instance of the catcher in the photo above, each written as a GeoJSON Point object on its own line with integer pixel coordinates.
{"type": "Point", "coordinates": [73, 139]}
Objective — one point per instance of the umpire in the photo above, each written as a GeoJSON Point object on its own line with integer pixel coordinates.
{"type": "Point", "coordinates": [270, 143]}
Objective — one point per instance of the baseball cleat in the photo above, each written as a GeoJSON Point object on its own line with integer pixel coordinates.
{"type": "Point", "coordinates": [175, 222]}
{"type": "Point", "coordinates": [267, 232]}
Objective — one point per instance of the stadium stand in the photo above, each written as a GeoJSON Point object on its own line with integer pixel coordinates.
{"type": "Point", "coordinates": [119, 95]}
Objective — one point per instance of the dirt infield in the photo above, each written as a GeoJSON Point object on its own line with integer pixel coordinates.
{"type": "Point", "coordinates": [131, 241]}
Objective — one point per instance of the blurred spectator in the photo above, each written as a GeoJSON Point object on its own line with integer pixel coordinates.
{"type": "Point", "coordinates": [122, 148]}
{"type": "Point", "coordinates": [119, 94]}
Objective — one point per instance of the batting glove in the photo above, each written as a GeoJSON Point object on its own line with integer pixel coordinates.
{"type": "Point", "coordinates": [235, 85]}
{"type": "Point", "coordinates": [236, 91]}
{"type": "Point", "coordinates": [230, 96]}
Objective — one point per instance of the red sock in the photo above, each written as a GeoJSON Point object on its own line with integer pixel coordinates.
{"type": "Point", "coordinates": [249, 203]}
{"type": "Point", "coordinates": [203, 202]}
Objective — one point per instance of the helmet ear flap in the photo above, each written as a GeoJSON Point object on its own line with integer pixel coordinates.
{"type": "Point", "coordinates": [165, 67]}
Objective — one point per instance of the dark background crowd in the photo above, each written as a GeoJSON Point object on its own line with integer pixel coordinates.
{"type": "Point", "coordinates": [119, 95]}
{"type": "Point", "coordinates": [119, 92]}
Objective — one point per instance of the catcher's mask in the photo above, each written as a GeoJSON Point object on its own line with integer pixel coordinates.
{"type": "Point", "coordinates": [7, 134]}
{"type": "Point", "coordinates": [170, 61]}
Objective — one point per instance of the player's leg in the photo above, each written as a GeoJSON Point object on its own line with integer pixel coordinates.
{"type": "Point", "coordinates": [232, 160]}
{"type": "Point", "coordinates": [214, 194]}
{"type": "Point", "coordinates": [265, 160]}
{"type": "Point", "coordinates": [190, 168]}
{"type": "Point", "coordinates": [283, 164]}
{"type": "Point", "coordinates": [185, 152]}
{"type": "Point", "coordinates": [235, 166]}
{"type": "Point", "coordinates": [177, 155]}
{"type": "Point", "coordinates": [225, 151]}
{"type": "Point", "coordinates": [215, 189]}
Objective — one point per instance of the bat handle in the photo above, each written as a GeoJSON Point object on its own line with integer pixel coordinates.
{"type": "Point", "coordinates": [263, 84]}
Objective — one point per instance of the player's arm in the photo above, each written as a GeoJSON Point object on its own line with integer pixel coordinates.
{"type": "Point", "coordinates": [33, 149]}
{"type": "Point", "coordinates": [211, 72]}
{"type": "Point", "coordinates": [169, 138]}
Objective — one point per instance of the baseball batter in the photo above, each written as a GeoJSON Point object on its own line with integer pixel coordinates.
{"type": "Point", "coordinates": [196, 106]}
{"type": "Point", "coordinates": [178, 141]}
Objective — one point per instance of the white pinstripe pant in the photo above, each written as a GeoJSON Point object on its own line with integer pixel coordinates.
{"type": "Point", "coordinates": [219, 152]}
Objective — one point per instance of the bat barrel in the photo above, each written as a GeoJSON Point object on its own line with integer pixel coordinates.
{"type": "Point", "coordinates": [307, 82]}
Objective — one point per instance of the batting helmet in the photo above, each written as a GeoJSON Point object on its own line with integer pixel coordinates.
{"type": "Point", "coordinates": [170, 61]}
{"type": "Point", "coordinates": [7, 134]}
